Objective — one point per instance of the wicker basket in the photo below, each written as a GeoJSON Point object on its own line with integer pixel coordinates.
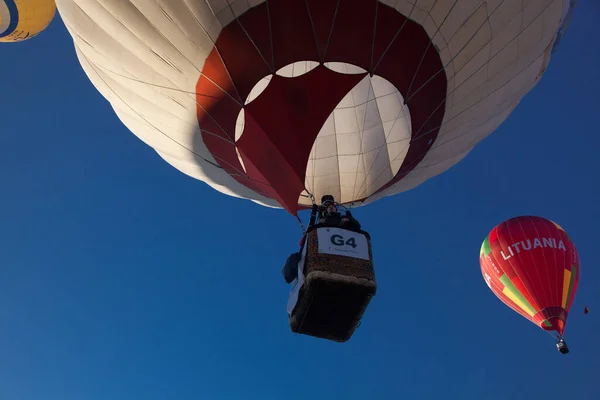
{"type": "Point", "coordinates": [335, 295]}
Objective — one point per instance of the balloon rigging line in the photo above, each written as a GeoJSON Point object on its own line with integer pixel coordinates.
{"type": "Point", "coordinates": [241, 174]}
{"type": "Point", "coordinates": [447, 122]}
{"type": "Point", "coordinates": [431, 42]}
{"type": "Point", "coordinates": [271, 37]}
{"type": "Point", "coordinates": [479, 69]}
{"type": "Point", "coordinates": [511, 262]}
{"type": "Point", "coordinates": [418, 135]}
{"type": "Point", "coordinates": [389, 46]}
{"type": "Point", "coordinates": [553, 300]}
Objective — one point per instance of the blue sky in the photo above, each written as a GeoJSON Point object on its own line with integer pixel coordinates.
{"type": "Point", "coordinates": [122, 278]}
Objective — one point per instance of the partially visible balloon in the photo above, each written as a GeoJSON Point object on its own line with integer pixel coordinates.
{"type": "Point", "coordinates": [23, 19]}
{"type": "Point", "coordinates": [532, 266]}
{"type": "Point", "coordinates": [278, 100]}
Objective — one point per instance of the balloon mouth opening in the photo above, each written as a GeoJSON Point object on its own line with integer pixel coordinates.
{"type": "Point", "coordinates": [554, 324]}
{"type": "Point", "coordinates": [362, 144]}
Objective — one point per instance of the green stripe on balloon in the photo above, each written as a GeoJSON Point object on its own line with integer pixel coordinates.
{"type": "Point", "coordinates": [512, 288]}
{"type": "Point", "coordinates": [486, 248]}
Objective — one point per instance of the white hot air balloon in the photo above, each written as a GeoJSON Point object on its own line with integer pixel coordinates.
{"type": "Point", "coordinates": [279, 100]}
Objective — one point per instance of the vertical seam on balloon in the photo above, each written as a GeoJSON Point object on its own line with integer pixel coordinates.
{"type": "Point", "coordinates": [412, 140]}
{"type": "Point", "coordinates": [335, 136]}
{"type": "Point", "coordinates": [447, 121]}
{"type": "Point", "coordinates": [337, 6]}
{"type": "Point", "coordinates": [239, 99]}
{"type": "Point", "coordinates": [374, 36]}
{"type": "Point", "coordinates": [565, 292]}
{"type": "Point", "coordinates": [555, 297]}
{"type": "Point", "coordinates": [214, 47]}
{"type": "Point", "coordinates": [322, 59]}
{"type": "Point", "coordinates": [269, 67]}
{"type": "Point", "coordinates": [558, 272]}
{"type": "Point", "coordinates": [93, 66]}
{"type": "Point", "coordinates": [499, 291]}
{"type": "Point", "coordinates": [464, 47]}
{"type": "Point", "coordinates": [514, 291]}
{"type": "Point", "coordinates": [517, 276]}
{"type": "Point", "coordinates": [226, 138]}
{"type": "Point", "coordinates": [431, 42]}
{"type": "Point", "coordinates": [510, 263]}
{"type": "Point", "coordinates": [141, 41]}
{"type": "Point", "coordinates": [361, 150]}
{"type": "Point", "coordinates": [574, 261]}
{"type": "Point", "coordinates": [314, 161]}
{"type": "Point", "coordinates": [314, 29]}
{"type": "Point", "coordinates": [568, 260]}
{"type": "Point", "coordinates": [201, 74]}
{"type": "Point", "coordinates": [524, 299]}
{"type": "Point", "coordinates": [337, 151]}
{"type": "Point", "coordinates": [271, 36]}
{"type": "Point", "coordinates": [418, 134]}
{"type": "Point", "coordinates": [360, 155]}
{"type": "Point", "coordinates": [406, 19]}
{"type": "Point", "coordinates": [526, 271]}
{"type": "Point", "coordinates": [156, 31]}
{"type": "Point", "coordinates": [133, 55]}
{"type": "Point", "coordinates": [379, 151]}
{"type": "Point", "coordinates": [477, 70]}
{"type": "Point", "coordinates": [565, 288]}
{"type": "Point", "coordinates": [267, 183]}
{"type": "Point", "coordinates": [158, 129]}
{"type": "Point", "coordinates": [547, 296]}
{"type": "Point", "coordinates": [571, 283]}
{"type": "Point", "coordinates": [485, 97]}
{"type": "Point", "coordinates": [487, 69]}
{"type": "Point", "coordinates": [190, 12]}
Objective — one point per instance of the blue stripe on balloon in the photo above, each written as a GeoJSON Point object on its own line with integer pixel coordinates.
{"type": "Point", "coordinates": [13, 13]}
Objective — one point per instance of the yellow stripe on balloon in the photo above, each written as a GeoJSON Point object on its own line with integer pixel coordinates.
{"type": "Point", "coordinates": [517, 301]}
{"type": "Point", "coordinates": [31, 18]}
{"type": "Point", "coordinates": [566, 284]}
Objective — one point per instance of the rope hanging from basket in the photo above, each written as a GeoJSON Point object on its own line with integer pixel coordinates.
{"type": "Point", "coordinates": [313, 212]}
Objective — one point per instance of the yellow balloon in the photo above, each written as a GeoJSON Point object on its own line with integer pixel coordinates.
{"type": "Point", "coordinates": [23, 19]}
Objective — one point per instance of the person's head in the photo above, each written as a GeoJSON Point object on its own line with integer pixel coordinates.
{"type": "Point", "coordinates": [328, 204]}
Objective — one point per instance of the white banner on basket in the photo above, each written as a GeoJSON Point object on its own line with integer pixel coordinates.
{"type": "Point", "coordinates": [341, 242]}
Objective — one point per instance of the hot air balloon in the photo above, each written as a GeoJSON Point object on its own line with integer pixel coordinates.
{"type": "Point", "coordinates": [23, 19]}
{"type": "Point", "coordinates": [530, 264]}
{"type": "Point", "coordinates": [284, 101]}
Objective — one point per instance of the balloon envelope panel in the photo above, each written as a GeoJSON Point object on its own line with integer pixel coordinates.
{"type": "Point", "coordinates": [274, 101]}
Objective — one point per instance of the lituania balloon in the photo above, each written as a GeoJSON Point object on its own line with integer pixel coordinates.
{"type": "Point", "coordinates": [531, 264]}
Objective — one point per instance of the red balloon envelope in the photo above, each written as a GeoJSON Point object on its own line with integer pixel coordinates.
{"type": "Point", "coordinates": [533, 267]}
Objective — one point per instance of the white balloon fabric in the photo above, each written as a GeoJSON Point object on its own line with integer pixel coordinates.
{"type": "Point", "coordinates": [279, 100]}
